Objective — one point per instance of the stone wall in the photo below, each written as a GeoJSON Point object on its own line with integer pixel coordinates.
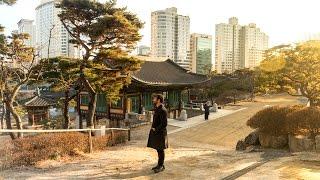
{"type": "Point", "coordinates": [303, 143]}
{"type": "Point", "coordinates": [277, 142]}
{"type": "Point", "coordinates": [294, 143]}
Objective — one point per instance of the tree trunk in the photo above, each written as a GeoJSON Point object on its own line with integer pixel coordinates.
{"type": "Point", "coordinates": [8, 122]}
{"type": "Point", "coordinates": [2, 116]}
{"type": "Point", "coordinates": [91, 109]}
{"type": "Point", "coordinates": [92, 98]}
{"type": "Point", "coordinates": [66, 110]}
{"type": "Point", "coordinates": [79, 110]}
{"type": "Point", "coordinates": [15, 116]}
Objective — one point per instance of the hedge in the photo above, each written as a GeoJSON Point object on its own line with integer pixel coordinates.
{"type": "Point", "coordinates": [272, 120]}
{"type": "Point", "coordinates": [32, 149]}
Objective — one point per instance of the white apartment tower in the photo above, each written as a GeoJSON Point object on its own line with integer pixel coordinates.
{"type": "Point", "coordinates": [27, 26]}
{"type": "Point", "coordinates": [170, 36]}
{"type": "Point", "coordinates": [47, 20]}
{"type": "Point", "coordinates": [238, 47]}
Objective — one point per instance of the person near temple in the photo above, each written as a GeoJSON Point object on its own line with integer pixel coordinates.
{"type": "Point", "coordinates": [206, 108]}
{"type": "Point", "coordinates": [158, 139]}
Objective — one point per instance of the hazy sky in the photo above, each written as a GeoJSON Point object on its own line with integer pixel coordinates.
{"type": "Point", "coordinates": [283, 20]}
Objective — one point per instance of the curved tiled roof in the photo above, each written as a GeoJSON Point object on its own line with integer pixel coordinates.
{"type": "Point", "coordinates": [39, 101]}
{"type": "Point", "coordinates": [166, 73]}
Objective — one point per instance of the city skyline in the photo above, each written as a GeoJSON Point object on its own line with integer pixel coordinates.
{"type": "Point", "coordinates": [282, 24]}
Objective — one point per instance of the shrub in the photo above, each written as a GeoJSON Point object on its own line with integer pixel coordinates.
{"type": "Point", "coordinates": [272, 120]}
{"type": "Point", "coordinates": [305, 121]}
{"type": "Point", "coordinates": [53, 123]}
{"type": "Point", "coordinates": [31, 149]}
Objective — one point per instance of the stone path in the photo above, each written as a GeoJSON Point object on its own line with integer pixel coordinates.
{"type": "Point", "coordinates": [194, 121]}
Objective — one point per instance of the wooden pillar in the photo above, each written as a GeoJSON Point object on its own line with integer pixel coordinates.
{"type": "Point", "coordinates": [47, 113]}
{"type": "Point", "coordinates": [180, 103]}
{"type": "Point", "coordinates": [140, 103]}
{"type": "Point", "coordinates": [108, 109]}
{"type": "Point", "coordinates": [124, 104]}
{"type": "Point", "coordinates": [32, 118]}
{"type": "Point", "coordinates": [168, 98]}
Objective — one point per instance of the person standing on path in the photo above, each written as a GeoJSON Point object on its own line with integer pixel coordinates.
{"type": "Point", "coordinates": [158, 139]}
{"type": "Point", "coordinates": [206, 108]}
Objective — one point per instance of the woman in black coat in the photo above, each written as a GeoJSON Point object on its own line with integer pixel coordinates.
{"type": "Point", "coordinates": [158, 134]}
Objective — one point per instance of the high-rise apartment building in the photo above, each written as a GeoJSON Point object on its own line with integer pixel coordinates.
{"type": "Point", "coordinates": [170, 36]}
{"type": "Point", "coordinates": [51, 35]}
{"type": "Point", "coordinates": [27, 26]}
{"type": "Point", "coordinates": [238, 47]}
{"type": "Point", "coordinates": [201, 53]}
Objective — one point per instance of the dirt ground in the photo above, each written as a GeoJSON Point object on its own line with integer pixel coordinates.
{"type": "Point", "coordinates": [205, 151]}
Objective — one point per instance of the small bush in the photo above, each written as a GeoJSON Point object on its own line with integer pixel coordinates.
{"type": "Point", "coordinates": [305, 121]}
{"type": "Point", "coordinates": [29, 150]}
{"type": "Point", "coordinates": [272, 120]}
{"type": "Point", "coordinates": [53, 123]}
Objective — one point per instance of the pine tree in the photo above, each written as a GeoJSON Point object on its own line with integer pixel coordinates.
{"type": "Point", "coordinates": [106, 34]}
{"type": "Point", "coordinates": [62, 74]}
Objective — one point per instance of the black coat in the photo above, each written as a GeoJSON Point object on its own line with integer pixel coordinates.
{"type": "Point", "coordinates": [158, 139]}
{"type": "Point", "coordinates": [206, 109]}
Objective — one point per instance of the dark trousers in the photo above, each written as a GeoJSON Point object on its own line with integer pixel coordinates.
{"type": "Point", "coordinates": [206, 115]}
{"type": "Point", "coordinates": [160, 157]}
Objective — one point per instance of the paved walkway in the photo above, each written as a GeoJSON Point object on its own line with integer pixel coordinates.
{"type": "Point", "coordinates": [194, 121]}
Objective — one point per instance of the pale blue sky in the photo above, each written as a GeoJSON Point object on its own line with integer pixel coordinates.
{"type": "Point", "coordinates": [283, 20]}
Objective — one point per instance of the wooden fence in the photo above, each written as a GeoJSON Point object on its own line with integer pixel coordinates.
{"type": "Point", "coordinates": [68, 130]}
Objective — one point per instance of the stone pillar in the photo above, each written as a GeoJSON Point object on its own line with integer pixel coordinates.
{"type": "Point", "coordinates": [77, 122]}
{"type": "Point", "coordinates": [102, 131]}
{"type": "Point", "coordinates": [149, 116]}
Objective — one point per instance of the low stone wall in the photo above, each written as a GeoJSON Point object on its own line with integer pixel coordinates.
{"type": "Point", "coordinates": [295, 143]}
{"type": "Point", "coordinates": [277, 142]}
{"type": "Point", "coordinates": [303, 143]}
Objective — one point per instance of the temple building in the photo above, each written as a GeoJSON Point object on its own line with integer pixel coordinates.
{"type": "Point", "coordinates": [154, 77]}
{"type": "Point", "coordinates": [38, 109]}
